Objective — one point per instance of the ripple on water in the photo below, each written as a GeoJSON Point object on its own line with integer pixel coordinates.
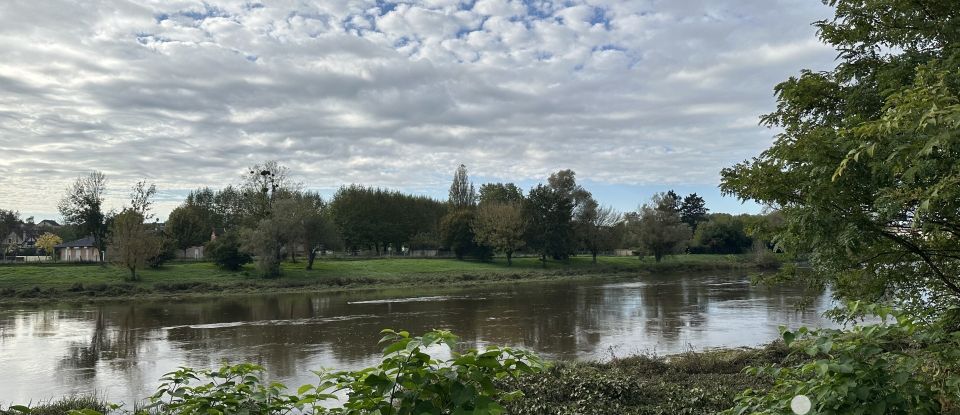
{"type": "Point", "coordinates": [418, 299]}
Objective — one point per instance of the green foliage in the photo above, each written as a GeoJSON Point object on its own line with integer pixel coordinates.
{"type": "Point", "coordinates": [186, 227]}
{"type": "Point", "coordinates": [658, 228]}
{"type": "Point", "coordinates": [373, 218]}
{"type": "Point", "coordinates": [225, 252]}
{"type": "Point", "coordinates": [904, 365]}
{"type": "Point", "coordinates": [410, 381]}
{"type": "Point", "coordinates": [67, 405]}
{"type": "Point", "coordinates": [550, 212]}
{"type": "Point", "coordinates": [462, 193]}
{"type": "Point", "coordinates": [500, 225]}
{"type": "Point", "coordinates": [702, 383]}
{"type": "Point", "coordinates": [721, 234]}
{"type": "Point", "coordinates": [132, 244]}
{"type": "Point", "coordinates": [456, 233]}
{"type": "Point", "coordinates": [865, 172]}
{"type": "Point", "coordinates": [598, 228]}
{"type": "Point", "coordinates": [500, 193]}
{"type": "Point", "coordinates": [265, 242]}
{"type": "Point", "coordinates": [407, 381]}
{"type": "Point", "coordinates": [693, 210]}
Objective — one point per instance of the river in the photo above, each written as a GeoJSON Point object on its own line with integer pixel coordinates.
{"type": "Point", "coordinates": [119, 349]}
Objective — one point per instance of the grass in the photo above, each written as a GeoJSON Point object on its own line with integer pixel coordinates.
{"type": "Point", "coordinates": [44, 282]}
{"type": "Point", "coordinates": [689, 383]}
{"type": "Point", "coordinates": [62, 406]}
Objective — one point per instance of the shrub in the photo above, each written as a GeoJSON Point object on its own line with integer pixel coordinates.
{"type": "Point", "coordinates": [225, 252]}
{"type": "Point", "coordinates": [407, 381]}
{"type": "Point", "coordinates": [902, 366]}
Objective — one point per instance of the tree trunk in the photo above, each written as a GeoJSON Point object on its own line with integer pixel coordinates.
{"type": "Point", "coordinates": [133, 273]}
{"type": "Point", "coordinates": [509, 258]}
{"type": "Point", "coordinates": [594, 257]}
{"type": "Point", "coordinates": [310, 257]}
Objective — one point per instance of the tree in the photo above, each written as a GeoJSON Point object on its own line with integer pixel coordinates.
{"type": "Point", "coordinates": [550, 210]}
{"type": "Point", "coordinates": [186, 227]}
{"type": "Point", "coordinates": [264, 242]}
{"type": "Point", "coordinates": [264, 183]}
{"type": "Point", "coordinates": [693, 210]}
{"type": "Point", "coordinates": [597, 227]}
{"type": "Point", "coordinates": [865, 169]}
{"type": "Point", "coordinates": [462, 193]}
{"type": "Point", "coordinates": [659, 228]}
{"type": "Point", "coordinates": [9, 221]}
{"type": "Point", "coordinates": [225, 252]}
{"type": "Point", "coordinates": [500, 225]}
{"type": "Point", "coordinates": [82, 206]}
{"type": "Point", "coordinates": [722, 234]}
{"type": "Point", "coordinates": [372, 218]}
{"type": "Point", "coordinates": [47, 241]}
{"type": "Point", "coordinates": [500, 192]}
{"type": "Point", "coordinates": [456, 233]}
{"type": "Point", "coordinates": [140, 198]}
{"type": "Point", "coordinates": [304, 221]}
{"type": "Point", "coordinates": [131, 243]}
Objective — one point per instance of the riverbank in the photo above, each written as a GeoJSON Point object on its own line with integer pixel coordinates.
{"type": "Point", "coordinates": [33, 283]}
{"type": "Point", "coordinates": [693, 383]}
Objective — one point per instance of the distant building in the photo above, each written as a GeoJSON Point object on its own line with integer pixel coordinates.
{"type": "Point", "coordinates": [81, 250]}
{"type": "Point", "coordinates": [48, 224]}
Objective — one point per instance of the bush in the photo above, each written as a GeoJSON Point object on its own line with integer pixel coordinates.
{"type": "Point", "coordinates": [904, 366]}
{"type": "Point", "coordinates": [225, 252]}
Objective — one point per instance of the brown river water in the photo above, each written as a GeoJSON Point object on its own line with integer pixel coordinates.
{"type": "Point", "coordinates": [119, 349]}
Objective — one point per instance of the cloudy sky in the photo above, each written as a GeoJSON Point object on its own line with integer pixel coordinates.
{"type": "Point", "coordinates": [635, 96]}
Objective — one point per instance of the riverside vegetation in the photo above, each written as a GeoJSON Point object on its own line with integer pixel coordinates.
{"type": "Point", "coordinates": [80, 282]}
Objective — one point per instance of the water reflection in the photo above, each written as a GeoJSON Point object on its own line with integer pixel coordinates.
{"type": "Point", "coordinates": [121, 349]}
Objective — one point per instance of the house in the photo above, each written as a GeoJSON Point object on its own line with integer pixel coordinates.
{"type": "Point", "coordinates": [81, 250]}
{"type": "Point", "coordinates": [24, 237]}
{"type": "Point", "coordinates": [197, 252]}
{"type": "Point", "coordinates": [48, 224]}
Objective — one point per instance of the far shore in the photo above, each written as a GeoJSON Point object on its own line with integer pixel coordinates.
{"type": "Point", "coordinates": [64, 282]}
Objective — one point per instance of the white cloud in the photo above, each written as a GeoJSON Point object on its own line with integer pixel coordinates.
{"type": "Point", "coordinates": [188, 93]}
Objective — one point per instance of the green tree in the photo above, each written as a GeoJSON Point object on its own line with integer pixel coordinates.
{"type": "Point", "coordinates": [82, 206]}
{"type": "Point", "coordinates": [865, 171]}
{"type": "Point", "coordinates": [550, 210]}
{"type": "Point", "coordinates": [597, 227]}
{"type": "Point", "coordinates": [186, 227]}
{"type": "Point", "coordinates": [721, 234]}
{"type": "Point", "coordinates": [131, 243]}
{"type": "Point", "coordinates": [462, 193]}
{"type": "Point", "coordinates": [9, 222]}
{"type": "Point", "coordinates": [658, 227]}
{"type": "Point", "coordinates": [693, 210]}
{"type": "Point", "coordinates": [264, 242]}
{"type": "Point", "coordinates": [500, 192]}
{"type": "Point", "coordinates": [305, 223]}
{"type": "Point", "coordinates": [456, 233]}
{"type": "Point", "coordinates": [225, 252]}
{"type": "Point", "coordinates": [501, 226]}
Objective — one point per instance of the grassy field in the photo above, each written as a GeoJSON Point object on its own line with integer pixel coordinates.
{"type": "Point", "coordinates": [36, 282]}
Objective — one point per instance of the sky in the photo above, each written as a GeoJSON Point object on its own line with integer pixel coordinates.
{"type": "Point", "coordinates": [635, 96]}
